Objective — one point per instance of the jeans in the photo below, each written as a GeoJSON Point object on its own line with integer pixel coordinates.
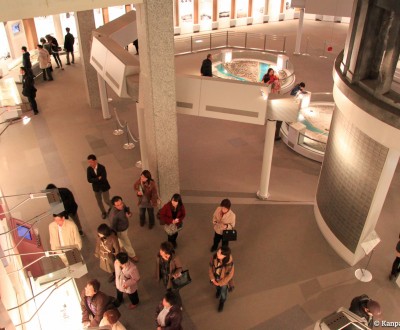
{"type": "Point", "coordinates": [222, 291]}
{"type": "Point", "coordinates": [142, 216]}
{"type": "Point", "coordinates": [106, 198]}
{"type": "Point", "coordinates": [217, 239]}
{"type": "Point", "coordinates": [133, 297]}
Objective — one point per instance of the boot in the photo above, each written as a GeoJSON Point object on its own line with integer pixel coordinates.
{"type": "Point", "coordinates": [221, 305]}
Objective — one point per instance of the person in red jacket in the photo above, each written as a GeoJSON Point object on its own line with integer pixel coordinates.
{"type": "Point", "coordinates": [173, 213]}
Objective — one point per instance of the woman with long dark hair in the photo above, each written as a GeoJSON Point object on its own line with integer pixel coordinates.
{"type": "Point", "coordinates": [172, 215]}
{"type": "Point", "coordinates": [146, 190]}
{"type": "Point", "coordinates": [221, 271]}
{"type": "Point", "coordinates": [107, 247]}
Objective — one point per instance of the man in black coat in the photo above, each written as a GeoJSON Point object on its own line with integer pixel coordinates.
{"type": "Point", "coordinates": [206, 67]}
{"type": "Point", "coordinates": [26, 59]}
{"type": "Point", "coordinates": [70, 205]}
{"type": "Point", "coordinates": [97, 176]}
{"type": "Point", "coordinates": [365, 307]}
{"type": "Point", "coordinates": [69, 41]}
{"type": "Point", "coordinates": [396, 264]}
{"type": "Point", "coordinates": [28, 88]}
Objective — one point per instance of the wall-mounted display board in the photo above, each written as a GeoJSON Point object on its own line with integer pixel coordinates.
{"type": "Point", "coordinates": [186, 14]}
{"type": "Point", "coordinates": [224, 13]}
{"type": "Point", "coordinates": [258, 11]}
{"type": "Point", "coordinates": [242, 10]}
{"type": "Point", "coordinates": [205, 14]}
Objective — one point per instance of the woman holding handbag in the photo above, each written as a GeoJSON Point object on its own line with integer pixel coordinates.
{"type": "Point", "coordinates": [172, 215]}
{"type": "Point", "coordinates": [168, 266]}
{"type": "Point", "coordinates": [221, 271]}
{"type": "Point", "coordinates": [107, 247]}
{"type": "Point", "coordinates": [223, 218]}
{"type": "Point", "coordinates": [146, 191]}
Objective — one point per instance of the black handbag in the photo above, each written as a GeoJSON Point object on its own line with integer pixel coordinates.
{"type": "Point", "coordinates": [181, 281]}
{"type": "Point", "coordinates": [229, 235]}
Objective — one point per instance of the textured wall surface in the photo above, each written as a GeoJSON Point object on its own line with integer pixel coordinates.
{"type": "Point", "coordinates": [350, 173]}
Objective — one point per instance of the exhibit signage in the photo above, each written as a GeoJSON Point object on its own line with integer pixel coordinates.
{"type": "Point", "coordinates": [205, 15]}
{"type": "Point", "coordinates": [224, 13]}
{"type": "Point", "coordinates": [242, 8]}
{"type": "Point", "coordinates": [258, 11]}
{"type": "Point", "coordinates": [186, 15]}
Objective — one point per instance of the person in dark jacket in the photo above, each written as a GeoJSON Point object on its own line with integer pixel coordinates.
{"type": "Point", "coordinates": [55, 50]}
{"type": "Point", "coordinates": [136, 44]}
{"type": "Point", "coordinates": [299, 88]}
{"type": "Point", "coordinates": [26, 59]}
{"type": "Point", "coordinates": [365, 307]}
{"type": "Point", "coordinates": [169, 313]}
{"type": "Point", "coordinates": [118, 217]}
{"type": "Point", "coordinates": [173, 213]}
{"type": "Point", "coordinates": [94, 303]}
{"type": "Point", "coordinates": [206, 67]}
{"type": "Point", "coordinates": [28, 88]}
{"type": "Point", "coordinates": [69, 41]}
{"type": "Point", "coordinates": [97, 176]}
{"type": "Point", "coordinates": [70, 205]}
{"type": "Point", "coordinates": [396, 263]}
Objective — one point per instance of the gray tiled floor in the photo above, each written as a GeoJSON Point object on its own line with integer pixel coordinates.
{"type": "Point", "coordinates": [287, 276]}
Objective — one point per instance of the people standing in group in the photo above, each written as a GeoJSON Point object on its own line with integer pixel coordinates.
{"type": "Point", "coordinates": [118, 217]}
{"type": "Point", "coordinates": [126, 279]}
{"type": "Point", "coordinates": [97, 176]}
{"type": "Point", "coordinates": [44, 63]}
{"type": "Point", "coordinates": [366, 308]}
{"type": "Point", "coordinates": [107, 247]}
{"type": "Point", "coordinates": [46, 45]}
{"type": "Point", "coordinates": [55, 50]}
{"type": "Point", "coordinates": [26, 59]}
{"type": "Point", "coordinates": [146, 191]}
{"type": "Point", "coordinates": [94, 304]}
{"type": "Point", "coordinates": [206, 66]}
{"type": "Point", "coordinates": [28, 88]}
{"type": "Point", "coordinates": [69, 41]}
{"type": "Point", "coordinates": [136, 44]}
{"type": "Point", "coordinates": [221, 271]}
{"type": "Point", "coordinates": [70, 206]}
{"type": "Point", "coordinates": [173, 213]}
{"type": "Point", "coordinates": [396, 263]}
{"type": "Point", "coordinates": [169, 313]}
{"type": "Point", "coordinates": [111, 320]}
{"type": "Point", "coordinates": [223, 218]}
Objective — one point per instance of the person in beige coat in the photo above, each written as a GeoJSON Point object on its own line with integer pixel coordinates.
{"type": "Point", "coordinates": [64, 233]}
{"type": "Point", "coordinates": [44, 62]}
{"type": "Point", "coordinates": [223, 218]}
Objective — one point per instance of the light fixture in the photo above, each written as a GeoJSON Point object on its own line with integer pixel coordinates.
{"type": "Point", "coordinates": [198, 41]}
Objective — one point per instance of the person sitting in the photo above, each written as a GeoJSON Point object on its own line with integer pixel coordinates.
{"type": "Point", "coordinates": [299, 88]}
{"type": "Point", "coordinates": [366, 308]}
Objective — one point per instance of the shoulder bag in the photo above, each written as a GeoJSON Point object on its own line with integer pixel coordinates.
{"type": "Point", "coordinates": [229, 234]}
{"type": "Point", "coordinates": [181, 281]}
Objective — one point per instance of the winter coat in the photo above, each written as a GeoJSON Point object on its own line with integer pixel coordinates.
{"type": "Point", "coordinates": [106, 250]}
{"type": "Point", "coordinates": [223, 221]}
{"type": "Point", "coordinates": [126, 278]}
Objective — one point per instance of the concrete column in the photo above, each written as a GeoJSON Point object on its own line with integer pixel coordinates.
{"type": "Point", "coordinates": [103, 97]}
{"type": "Point", "coordinates": [299, 32]}
{"type": "Point", "coordinates": [157, 90]}
{"type": "Point", "coordinates": [267, 159]}
{"type": "Point", "coordinates": [142, 136]}
{"type": "Point", "coordinates": [58, 28]}
{"type": "Point", "coordinates": [85, 25]}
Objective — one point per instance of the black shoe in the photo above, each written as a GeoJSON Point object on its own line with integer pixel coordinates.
{"type": "Point", "coordinates": [213, 249]}
{"type": "Point", "coordinates": [51, 79]}
{"type": "Point", "coordinates": [72, 62]}
{"type": "Point", "coordinates": [36, 113]}
{"type": "Point", "coordinates": [221, 306]}
{"type": "Point", "coordinates": [151, 226]}
{"type": "Point", "coordinates": [81, 233]}
{"type": "Point", "coordinates": [104, 215]}
{"type": "Point", "coordinates": [68, 63]}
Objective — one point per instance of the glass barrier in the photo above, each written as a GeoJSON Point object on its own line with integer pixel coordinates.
{"type": "Point", "coordinates": [311, 144]}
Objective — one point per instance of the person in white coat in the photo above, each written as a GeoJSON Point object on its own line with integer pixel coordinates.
{"type": "Point", "coordinates": [44, 62]}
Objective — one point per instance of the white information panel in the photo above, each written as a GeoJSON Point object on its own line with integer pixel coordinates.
{"type": "Point", "coordinates": [224, 13]}
{"type": "Point", "coordinates": [242, 9]}
{"type": "Point", "coordinates": [186, 16]}
{"type": "Point", "coordinates": [205, 15]}
{"type": "Point", "coordinates": [289, 11]}
{"type": "Point", "coordinates": [258, 11]}
{"type": "Point", "coordinates": [274, 8]}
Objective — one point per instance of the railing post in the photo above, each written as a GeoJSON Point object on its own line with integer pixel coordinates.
{"type": "Point", "coordinates": [245, 40]}
{"type": "Point", "coordinates": [227, 38]}
{"type": "Point", "coordinates": [210, 40]}
{"type": "Point", "coordinates": [284, 44]}
{"type": "Point", "coordinates": [265, 41]}
{"type": "Point", "coordinates": [191, 44]}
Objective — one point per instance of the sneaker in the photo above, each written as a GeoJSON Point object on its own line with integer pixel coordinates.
{"type": "Point", "coordinates": [104, 215]}
{"type": "Point", "coordinates": [81, 233]}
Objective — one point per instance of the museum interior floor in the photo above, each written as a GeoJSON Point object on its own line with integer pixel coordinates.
{"type": "Point", "coordinates": [286, 274]}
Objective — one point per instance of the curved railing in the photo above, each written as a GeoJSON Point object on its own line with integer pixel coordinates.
{"type": "Point", "coordinates": [238, 40]}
